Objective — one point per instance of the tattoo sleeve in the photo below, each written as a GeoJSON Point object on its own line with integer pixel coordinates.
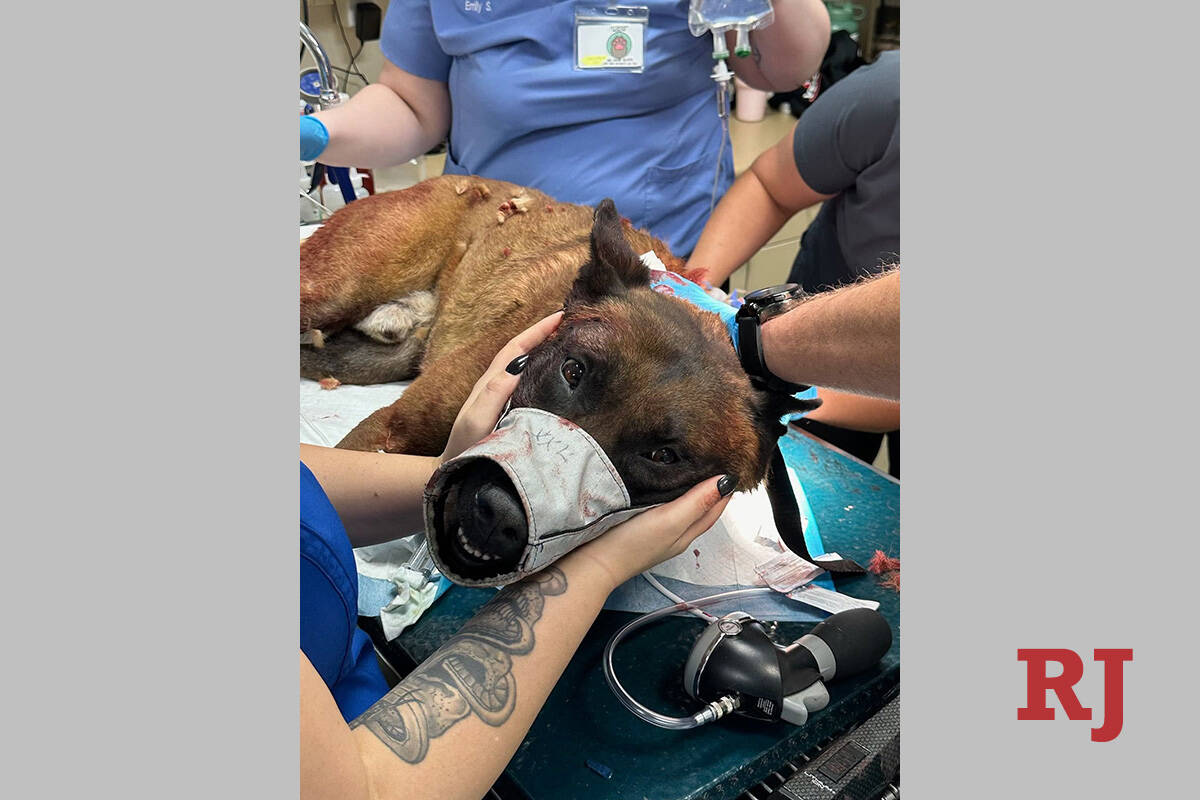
{"type": "Point", "coordinates": [470, 674]}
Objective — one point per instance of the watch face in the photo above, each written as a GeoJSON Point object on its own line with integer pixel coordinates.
{"type": "Point", "coordinates": [773, 294]}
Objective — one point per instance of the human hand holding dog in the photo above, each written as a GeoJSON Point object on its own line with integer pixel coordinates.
{"type": "Point", "coordinates": [481, 411]}
{"type": "Point", "coordinates": [655, 535]}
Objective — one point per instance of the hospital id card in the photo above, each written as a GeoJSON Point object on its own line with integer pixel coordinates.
{"type": "Point", "coordinates": [611, 38]}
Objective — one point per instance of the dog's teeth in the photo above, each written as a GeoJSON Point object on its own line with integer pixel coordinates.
{"type": "Point", "coordinates": [471, 549]}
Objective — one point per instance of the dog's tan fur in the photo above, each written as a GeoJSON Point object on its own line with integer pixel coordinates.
{"type": "Point", "coordinates": [498, 257]}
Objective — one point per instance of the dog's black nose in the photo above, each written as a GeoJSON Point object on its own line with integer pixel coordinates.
{"type": "Point", "coordinates": [491, 529]}
{"type": "Point", "coordinates": [498, 525]}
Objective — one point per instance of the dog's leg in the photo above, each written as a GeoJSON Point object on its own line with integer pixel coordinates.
{"type": "Point", "coordinates": [353, 357]}
{"type": "Point", "coordinates": [387, 246]}
{"type": "Point", "coordinates": [419, 422]}
{"type": "Point", "coordinates": [386, 346]}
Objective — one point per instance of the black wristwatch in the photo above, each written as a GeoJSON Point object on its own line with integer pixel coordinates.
{"type": "Point", "coordinates": [758, 307]}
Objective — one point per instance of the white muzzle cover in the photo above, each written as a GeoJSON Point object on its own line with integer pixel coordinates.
{"type": "Point", "coordinates": [569, 490]}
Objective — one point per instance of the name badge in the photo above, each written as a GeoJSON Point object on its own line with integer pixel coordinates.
{"type": "Point", "coordinates": [611, 38]}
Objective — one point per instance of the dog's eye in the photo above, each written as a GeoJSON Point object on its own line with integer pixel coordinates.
{"type": "Point", "coordinates": [663, 455]}
{"type": "Point", "coordinates": [572, 371]}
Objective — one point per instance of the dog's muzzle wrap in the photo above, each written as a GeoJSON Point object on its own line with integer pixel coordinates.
{"type": "Point", "coordinates": [569, 490]}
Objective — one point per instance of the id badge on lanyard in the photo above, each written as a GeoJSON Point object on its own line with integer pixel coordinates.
{"type": "Point", "coordinates": [611, 38]}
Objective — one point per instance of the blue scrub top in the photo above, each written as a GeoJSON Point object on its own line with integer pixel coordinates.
{"type": "Point", "coordinates": [329, 634]}
{"type": "Point", "coordinates": [522, 113]}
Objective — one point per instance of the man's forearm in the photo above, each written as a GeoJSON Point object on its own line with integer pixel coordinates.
{"type": "Point", "coordinates": [758, 204]}
{"type": "Point", "coordinates": [856, 412]}
{"type": "Point", "coordinates": [847, 339]}
{"type": "Point", "coordinates": [378, 496]}
{"type": "Point", "coordinates": [745, 219]}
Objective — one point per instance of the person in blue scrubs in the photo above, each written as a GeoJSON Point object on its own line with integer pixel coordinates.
{"type": "Point", "coordinates": [329, 634]}
{"type": "Point", "coordinates": [505, 72]}
{"type": "Point", "coordinates": [450, 727]}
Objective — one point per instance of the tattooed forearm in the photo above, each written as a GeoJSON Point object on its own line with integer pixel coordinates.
{"type": "Point", "coordinates": [471, 673]}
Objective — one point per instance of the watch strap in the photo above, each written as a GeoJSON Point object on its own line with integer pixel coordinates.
{"type": "Point", "coordinates": [750, 352]}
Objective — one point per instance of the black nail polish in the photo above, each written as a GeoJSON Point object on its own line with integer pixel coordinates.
{"type": "Point", "coordinates": [516, 365]}
{"type": "Point", "coordinates": [725, 485]}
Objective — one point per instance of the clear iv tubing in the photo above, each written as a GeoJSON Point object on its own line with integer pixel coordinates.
{"type": "Point", "coordinates": [722, 76]}
{"type": "Point", "coordinates": [667, 593]}
{"type": "Point", "coordinates": [712, 711]}
{"type": "Point", "coordinates": [712, 202]}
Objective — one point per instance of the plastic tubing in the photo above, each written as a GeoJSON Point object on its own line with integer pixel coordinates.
{"type": "Point", "coordinates": [667, 593]}
{"type": "Point", "coordinates": [712, 711]}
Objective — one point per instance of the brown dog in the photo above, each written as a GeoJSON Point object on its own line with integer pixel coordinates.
{"type": "Point", "coordinates": [437, 278]}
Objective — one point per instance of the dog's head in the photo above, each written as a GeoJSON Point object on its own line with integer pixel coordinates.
{"type": "Point", "coordinates": [651, 378]}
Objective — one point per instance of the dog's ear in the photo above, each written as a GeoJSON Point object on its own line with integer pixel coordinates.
{"type": "Point", "coordinates": [613, 265]}
{"type": "Point", "coordinates": [774, 405]}
{"type": "Point", "coordinates": [769, 409]}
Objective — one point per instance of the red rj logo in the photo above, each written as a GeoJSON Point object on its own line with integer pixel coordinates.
{"type": "Point", "coordinates": [1038, 684]}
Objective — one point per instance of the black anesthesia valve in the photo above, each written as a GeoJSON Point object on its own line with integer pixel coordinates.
{"type": "Point", "coordinates": [736, 667]}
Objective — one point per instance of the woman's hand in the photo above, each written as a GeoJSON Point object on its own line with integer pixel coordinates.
{"type": "Point", "coordinates": [480, 413]}
{"type": "Point", "coordinates": [653, 536]}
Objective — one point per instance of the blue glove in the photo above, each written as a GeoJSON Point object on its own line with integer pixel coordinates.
{"type": "Point", "coordinates": [678, 286]}
{"type": "Point", "coordinates": [313, 138]}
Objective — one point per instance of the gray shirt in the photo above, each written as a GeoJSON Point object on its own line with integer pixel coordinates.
{"type": "Point", "coordinates": [848, 144]}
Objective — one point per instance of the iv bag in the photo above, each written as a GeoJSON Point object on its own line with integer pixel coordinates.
{"type": "Point", "coordinates": [723, 15]}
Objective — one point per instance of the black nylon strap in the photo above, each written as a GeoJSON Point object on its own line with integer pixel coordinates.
{"type": "Point", "coordinates": [787, 518]}
{"type": "Point", "coordinates": [750, 354]}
